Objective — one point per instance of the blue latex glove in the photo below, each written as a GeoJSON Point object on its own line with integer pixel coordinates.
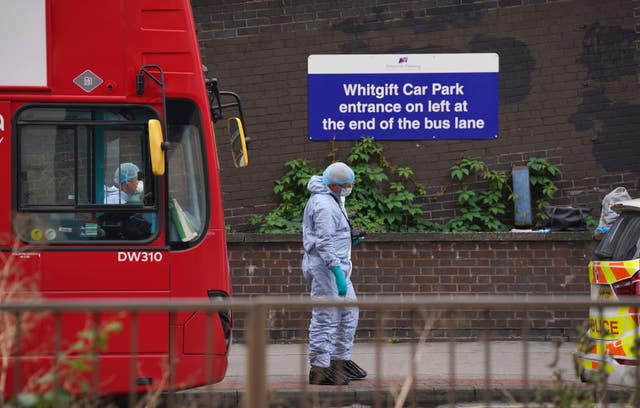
{"type": "Point", "coordinates": [357, 241]}
{"type": "Point", "coordinates": [341, 281]}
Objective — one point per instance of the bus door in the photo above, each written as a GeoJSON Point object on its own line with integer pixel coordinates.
{"type": "Point", "coordinates": [86, 202]}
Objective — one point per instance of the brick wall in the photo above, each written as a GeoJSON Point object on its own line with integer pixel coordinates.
{"type": "Point", "coordinates": [568, 87]}
{"type": "Point", "coordinates": [426, 264]}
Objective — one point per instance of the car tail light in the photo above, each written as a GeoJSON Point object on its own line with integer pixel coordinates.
{"type": "Point", "coordinates": [625, 361]}
{"type": "Point", "coordinates": [628, 287]}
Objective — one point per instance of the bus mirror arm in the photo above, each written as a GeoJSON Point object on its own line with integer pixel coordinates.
{"type": "Point", "coordinates": [144, 71]}
{"type": "Point", "coordinates": [214, 99]}
{"type": "Point", "coordinates": [139, 83]}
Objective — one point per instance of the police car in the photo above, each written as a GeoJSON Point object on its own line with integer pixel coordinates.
{"type": "Point", "coordinates": [614, 274]}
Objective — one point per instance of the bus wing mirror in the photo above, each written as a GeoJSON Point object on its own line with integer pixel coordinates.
{"type": "Point", "coordinates": [156, 147]}
{"type": "Point", "coordinates": [238, 141]}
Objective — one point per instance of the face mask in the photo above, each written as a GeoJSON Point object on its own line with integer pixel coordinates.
{"type": "Point", "coordinates": [345, 191]}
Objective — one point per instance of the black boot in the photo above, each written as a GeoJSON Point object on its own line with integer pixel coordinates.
{"type": "Point", "coordinates": [326, 376]}
{"type": "Point", "coordinates": [349, 369]}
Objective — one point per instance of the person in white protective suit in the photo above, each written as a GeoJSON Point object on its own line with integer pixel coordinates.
{"type": "Point", "coordinates": [127, 188]}
{"type": "Point", "coordinates": [326, 266]}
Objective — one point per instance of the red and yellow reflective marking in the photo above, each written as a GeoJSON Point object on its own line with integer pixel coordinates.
{"type": "Point", "coordinates": [617, 348]}
{"type": "Point", "coordinates": [611, 272]}
{"type": "Point", "coordinates": [593, 365]}
{"type": "Point", "coordinates": [613, 325]}
{"type": "Point", "coordinates": [623, 347]}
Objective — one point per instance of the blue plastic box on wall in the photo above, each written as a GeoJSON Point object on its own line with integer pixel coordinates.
{"type": "Point", "coordinates": [522, 192]}
{"type": "Point", "coordinates": [403, 97]}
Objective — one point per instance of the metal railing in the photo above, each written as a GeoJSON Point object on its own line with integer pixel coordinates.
{"type": "Point", "coordinates": [257, 389]}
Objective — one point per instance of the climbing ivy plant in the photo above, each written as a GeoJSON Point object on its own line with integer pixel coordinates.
{"type": "Point", "coordinates": [480, 211]}
{"type": "Point", "coordinates": [383, 199]}
{"type": "Point", "coordinates": [386, 198]}
{"type": "Point", "coordinates": [485, 210]}
{"type": "Point", "coordinates": [541, 174]}
{"type": "Point", "coordinates": [292, 191]}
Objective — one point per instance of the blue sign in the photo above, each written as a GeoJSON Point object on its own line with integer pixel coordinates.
{"type": "Point", "coordinates": [403, 97]}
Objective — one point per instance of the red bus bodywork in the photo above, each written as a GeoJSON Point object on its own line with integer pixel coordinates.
{"type": "Point", "coordinates": [113, 40]}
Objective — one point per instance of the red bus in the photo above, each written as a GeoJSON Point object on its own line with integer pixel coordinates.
{"type": "Point", "coordinates": [110, 185]}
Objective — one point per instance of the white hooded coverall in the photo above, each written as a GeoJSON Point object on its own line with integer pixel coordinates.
{"type": "Point", "coordinates": [326, 235]}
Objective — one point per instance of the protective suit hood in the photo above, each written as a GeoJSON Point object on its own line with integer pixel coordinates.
{"type": "Point", "coordinates": [316, 186]}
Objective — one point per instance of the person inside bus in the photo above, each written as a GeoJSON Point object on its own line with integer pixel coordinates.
{"type": "Point", "coordinates": [126, 225]}
{"type": "Point", "coordinates": [129, 187]}
{"type": "Point", "coordinates": [326, 265]}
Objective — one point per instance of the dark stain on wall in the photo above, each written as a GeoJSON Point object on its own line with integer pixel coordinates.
{"type": "Point", "coordinates": [516, 65]}
{"type": "Point", "coordinates": [608, 54]}
{"type": "Point", "coordinates": [358, 46]}
{"type": "Point", "coordinates": [427, 49]}
{"type": "Point", "coordinates": [355, 47]}
{"type": "Point", "coordinates": [354, 25]}
{"type": "Point", "coordinates": [443, 18]}
{"type": "Point", "coordinates": [425, 21]}
{"type": "Point", "coordinates": [361, 24]}
{"type": "Point", "coordinates": [619, 122]}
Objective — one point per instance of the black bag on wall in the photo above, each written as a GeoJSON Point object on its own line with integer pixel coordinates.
{"type": "Point", "coordinates": [566, 218]}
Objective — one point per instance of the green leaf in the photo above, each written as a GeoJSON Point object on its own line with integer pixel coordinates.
{"type": "Point", "coordinates": [86, 333]}
{"type": "Point", "coordinates": [405, 172]}
{"type": "Point", "coordinates": [458, 173]}
{"type": "Point", "coordinates": [396, 186]}
{"type": "Point", "coordinates": [535, 180]}
{"type": "Point", "coordinates": [465, 196]}
{"type": "Point", "coordinates": [549, 190]}
{"type": "Point", "coordinates": [288, 195]}
{"type": "Point", "coordinates": [78, 345]}
{"type": "Point", "coordinates": [79, 365]}
{"type": "Point", "coordinates": [472, 164]}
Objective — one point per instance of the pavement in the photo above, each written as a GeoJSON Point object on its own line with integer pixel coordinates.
{"type": "Point", "coordinates": [431, 374]}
